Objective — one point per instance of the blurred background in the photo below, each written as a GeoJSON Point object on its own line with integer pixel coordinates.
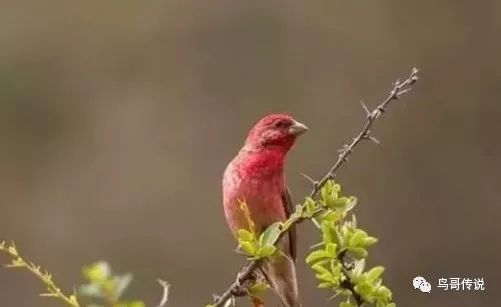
{"type": "Point", "coordinates": [117, 119]}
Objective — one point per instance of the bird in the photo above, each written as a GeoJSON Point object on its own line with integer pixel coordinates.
{"type": "Point", "coordinates": [255, 176]}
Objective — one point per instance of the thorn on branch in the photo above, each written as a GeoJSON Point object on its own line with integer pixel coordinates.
{"type": "Point", "coordinates": [403, 92]}
{"type": "Point", "coordinates": [366, 109]}
{"type": "Point", "coordinates": [372, 138]}
{"type": "Point", "coordinates": [414, 76]}
{"type": "Point", "coordinates": [313, 182]}
{"type": "Point", "coordinates": [399, 88]}
{"type": "Point", "coordinates": [368, 136]}
{"type": "Point", "coordinates": [345, 149]}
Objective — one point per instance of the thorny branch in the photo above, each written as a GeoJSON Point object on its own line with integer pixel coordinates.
{"type": "Point", "coordinates": [45, 277]}
{"type": "Point", "coordinates": [347, 284]}
{"type": "Point", "coordinates": [399, 88]}
{"type": "Point", "coordinates": [52, 289]}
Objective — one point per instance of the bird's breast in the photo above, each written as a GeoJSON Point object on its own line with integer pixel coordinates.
{"type": "Point", "coordinates": [260, 187]}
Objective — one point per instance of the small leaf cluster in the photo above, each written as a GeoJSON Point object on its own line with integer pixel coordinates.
{"type": "Point", "coordinates": [262, 246]}
{"type": "Point", "coordinates": [369, 285]}
{"type": "Point", "coordinates": [106, 287]}
{"type": "Point", "coordinates": [257, 247]}
{"type": "Point", "coordinates": [339, 259]}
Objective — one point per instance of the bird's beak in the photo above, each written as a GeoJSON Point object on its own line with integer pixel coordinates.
{"type": "Point", "coordinates": [297, 128]}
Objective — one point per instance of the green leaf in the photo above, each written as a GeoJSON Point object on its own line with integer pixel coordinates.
{"type": "Point", "coordinates": [340, 203]}
{"type": "Point", "coordinates": [270, 235]}
{"type": "Point", "coordinates": [375, 273]}
{"type": "Point", "coordinates": [330, 193]}
{"type": "Point", "coordinates": [122, 283]}
{"type": "Point", "coordinates": [326, 189]}
{"type": "Point", "coordinates": [339, 237]}
{"type": "Point", "coordinates": [370, 241]}
{"type": "Point", "coordinates": [346, 304]}
{"type": "Point", "coordinates": [358, 268]}
{"type": "Point", "coordinates": [335, 267]}
{"type": "Point", "coordinates": [330, 249]}
{"type": "Point", "coordinates": [352, 202]}
{"type": "Point", "coordinates": [330, 215]}
{"type": "Point", "coordinates": [109, 286]}
{"type": "Point", "coordinates": [258, 288]}
{"type": "Point", "coordinates": [97, 272]}
{"type": "Point", "coordinates": [136, 304]}
{"type": "Point", "coordinates": [319, 268]}
{"type": "Point", "coordinates": [245, 235]}
{"type": "Point", "coordinates": [346, 232]}
{"type": "Point", "coordinates": [247, 247]}
{"type": "Point", "coordinates": [358, 252]}
{"type": "Point", "coordinates": [357, 240]}
{"type": "Point", "coordinates": [365, 290]}
{"type": "Point", "coordinates": [328, 234]}
{"type": "Point", "coordinates": [325, 277]}
{"type": "Point", "coordinates": [353, 220]}
{"type": "Point", "coordinates": [91, 290]}
{"type": "Point", "coordinates": [325, 285]}
{"type": "Point", "coordinates": [310, 205]}
{"type": "Point", "coordinates": [382, 293]}
{"type": "Point", "coordinates": [266, 251]}
{"type": "Point", "coordinates": [316, 256]}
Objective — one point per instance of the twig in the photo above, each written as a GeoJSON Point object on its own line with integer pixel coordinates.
{"type": "Point", "coordinates": [242, 276]}
{"type": "Point", "coordinates": [347, 283]}
{"type": "Point", "coordinates": [165, 292]}
{"type": "Point", "coordinates": [399, 89]}
{"type": "Point", "coordinates": [45, 277]}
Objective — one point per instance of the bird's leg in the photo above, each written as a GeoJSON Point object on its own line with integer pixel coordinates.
{"type": "Point", "coordinates": [241, 289]}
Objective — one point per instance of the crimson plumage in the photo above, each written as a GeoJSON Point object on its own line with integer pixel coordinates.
{"type": "Point", "coordinates": [256, 176]}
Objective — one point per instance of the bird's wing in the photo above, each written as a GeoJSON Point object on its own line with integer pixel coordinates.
{"type": "Point", "coordinates": [289, 208]}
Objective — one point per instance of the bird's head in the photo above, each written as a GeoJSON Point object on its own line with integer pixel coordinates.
{"type": "Point", "coordinates": [277, 131]}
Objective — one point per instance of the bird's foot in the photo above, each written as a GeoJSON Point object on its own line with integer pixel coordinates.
{"type": "Point", "coordinates": [239, 291]}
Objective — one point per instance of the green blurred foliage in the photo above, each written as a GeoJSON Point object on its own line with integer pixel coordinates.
{"type": "Point", "coordinates": [104, 288]}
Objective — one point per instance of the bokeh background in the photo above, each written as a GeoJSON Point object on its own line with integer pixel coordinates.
{"type": "Point", "coordinates": [117, 119]}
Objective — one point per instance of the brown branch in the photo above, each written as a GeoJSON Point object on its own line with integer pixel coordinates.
{"type": "Point", "coordinates": [347, 283]}
{"type": "Point", "coordinates": [399, 88]}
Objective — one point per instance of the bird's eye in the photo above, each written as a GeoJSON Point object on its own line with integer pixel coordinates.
{"type": "Point", "coordinates": [282, 123]}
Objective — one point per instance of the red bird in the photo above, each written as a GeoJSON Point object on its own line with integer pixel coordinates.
{"type": "Point", "coordinates": [256, 176]}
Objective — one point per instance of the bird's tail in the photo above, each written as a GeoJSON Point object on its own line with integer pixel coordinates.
{"type": "Point", "coordinates": [281, 275]}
